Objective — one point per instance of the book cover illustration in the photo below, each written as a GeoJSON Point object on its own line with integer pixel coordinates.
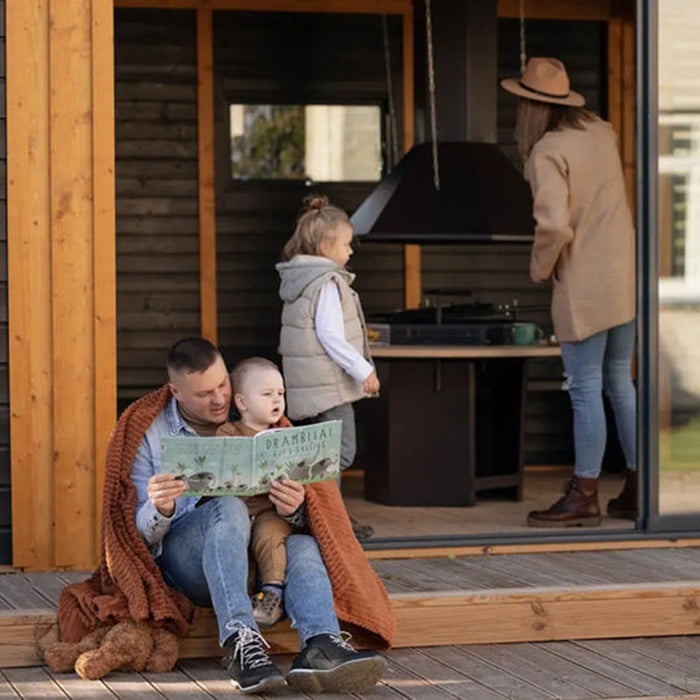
{"type": "Point", "coordinates": [245, 466]}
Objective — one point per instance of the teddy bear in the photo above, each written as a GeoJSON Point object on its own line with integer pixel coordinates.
{"type": "Point", "coordinates": [125, 646]}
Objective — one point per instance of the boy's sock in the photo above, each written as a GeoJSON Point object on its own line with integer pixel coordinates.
{"type": "Point", "coordinates": [276, 588]}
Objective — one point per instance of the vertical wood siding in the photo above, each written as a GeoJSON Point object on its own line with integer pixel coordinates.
{"type": "Point", "coordinates": [156, 182]}
{"type": "Point", "coordinates": [5, 507]}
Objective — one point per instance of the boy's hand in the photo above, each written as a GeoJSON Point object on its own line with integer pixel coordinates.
{"type": "Point", "coordinates": [286, 495]}
{"type": "Point", "coordinates": [162, 491]}
{"type": "Point", "coordinates": [371, 384]}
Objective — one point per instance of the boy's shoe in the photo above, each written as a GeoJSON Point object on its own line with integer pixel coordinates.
{"type": "Point", "coordinates": [248, 664]}
{"type": "Point", "coordinates": [268, 608]}
{"type": "Point", "coordinates": [328, 662]}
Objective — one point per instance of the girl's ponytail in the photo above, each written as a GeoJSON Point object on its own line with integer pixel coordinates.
{"type": "Point", "coordinates": [317, 221]}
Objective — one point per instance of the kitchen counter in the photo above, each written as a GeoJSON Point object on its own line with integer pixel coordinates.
{"type": "Point", "coordinates": [464, 351]}
{"type": "Point", "coordinates": [449, 423]}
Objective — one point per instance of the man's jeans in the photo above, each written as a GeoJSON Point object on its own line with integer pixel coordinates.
{"type": "Point", "coordinates": [205, 556]}
{"type": "Point", "coordinates": [601, 362]}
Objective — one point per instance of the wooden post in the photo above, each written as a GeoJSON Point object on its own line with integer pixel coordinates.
{"type": "Point", "coordinates": [61, 253]}
{"type": "Point", "coordinates": [104, 251]}
{"type": "Point", "coordinates": [29, 283]}
{"type": "Point", "coordinates": [207, 209]}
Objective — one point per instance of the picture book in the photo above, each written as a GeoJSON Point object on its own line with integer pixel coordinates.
{"type": "Point", "coordinates": [245, 466]}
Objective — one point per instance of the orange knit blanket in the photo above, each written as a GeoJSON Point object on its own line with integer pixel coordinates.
{"type": "Point", "coordinates": [128, 584]}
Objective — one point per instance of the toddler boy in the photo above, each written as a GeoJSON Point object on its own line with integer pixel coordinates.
{"type": "Point", "coordinates": [258, 392]}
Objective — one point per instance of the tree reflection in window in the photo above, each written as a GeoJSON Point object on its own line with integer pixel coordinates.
{"type": "Point", "coordinates": [327, 143]}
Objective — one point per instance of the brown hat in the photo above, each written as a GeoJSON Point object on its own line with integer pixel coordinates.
{"type": "Point", "coordinates": [544, 80]}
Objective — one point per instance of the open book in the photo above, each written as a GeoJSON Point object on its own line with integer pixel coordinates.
{"type": "Point", "coordinates": [244, 466]}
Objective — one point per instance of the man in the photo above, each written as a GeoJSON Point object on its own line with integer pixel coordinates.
{"type": "Point", "coordinates": [201, 545]}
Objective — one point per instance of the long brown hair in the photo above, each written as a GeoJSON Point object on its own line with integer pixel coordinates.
{"type": "Point", "coordinates": [317, 222]}
{"type": "Point", "coordinates": [534, 119]}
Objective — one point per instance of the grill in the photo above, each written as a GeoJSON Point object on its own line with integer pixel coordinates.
{"type": "Point", "coordinates": [474, 323]}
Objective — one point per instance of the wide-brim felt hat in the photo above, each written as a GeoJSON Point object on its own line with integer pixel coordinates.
{"type": "Point", "coordinates": [545, 80]}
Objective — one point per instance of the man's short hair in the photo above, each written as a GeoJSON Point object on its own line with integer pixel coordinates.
{"type": "Point", "coordinates": [245, 368]}
{"type": "Point", "coordinates": [191, 355]}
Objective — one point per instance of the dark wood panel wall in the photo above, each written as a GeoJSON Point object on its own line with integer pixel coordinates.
{"type": "Point", "coordinates": [5, 508]}
{"type": "Point", "coordinates": [271, 58]}
{"type": "Point", "coordinates": [156, 183]}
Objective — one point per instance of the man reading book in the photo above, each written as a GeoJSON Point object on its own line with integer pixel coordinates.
{"type": "Point", "coordinates": [200, 546]}
{"type": "Point", "coordinates": [258, 393]}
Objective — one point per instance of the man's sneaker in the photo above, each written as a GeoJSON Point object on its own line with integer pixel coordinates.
{"type": "Point", "coordinates": [268, 608]}
{"type": "Point", "coordinates": [248, 664]}
{"type": "Point", "coordinates": [328, 662]}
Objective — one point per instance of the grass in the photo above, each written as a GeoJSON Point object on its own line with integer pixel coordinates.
{"type": "Point", "coordinates": [679, 448]}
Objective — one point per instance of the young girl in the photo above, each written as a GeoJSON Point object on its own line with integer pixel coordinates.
{"type": "Point", "coordinates": [325, 355]}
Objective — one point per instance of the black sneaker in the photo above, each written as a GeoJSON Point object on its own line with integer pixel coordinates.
{"type": "Point", "coordinates": [248, 664]}
{"type": "Point", "coordinates": [328, 662]}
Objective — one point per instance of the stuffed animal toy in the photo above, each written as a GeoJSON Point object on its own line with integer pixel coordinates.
{"type": "Point", "coordinates": [126, 646]}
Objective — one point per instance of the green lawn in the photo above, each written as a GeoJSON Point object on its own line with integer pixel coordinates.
{"type": "Point", "coordinates": [679, 448]}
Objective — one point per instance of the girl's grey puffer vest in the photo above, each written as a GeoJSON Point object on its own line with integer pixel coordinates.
{"type": "Point", "coordinates": [314, 383]}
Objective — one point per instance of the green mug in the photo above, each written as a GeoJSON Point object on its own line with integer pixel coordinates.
{"type": "Point", "coordinates": [526, 333]}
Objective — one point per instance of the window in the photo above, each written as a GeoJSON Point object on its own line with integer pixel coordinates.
{"type": "Point", "coordinates": [323, 143]}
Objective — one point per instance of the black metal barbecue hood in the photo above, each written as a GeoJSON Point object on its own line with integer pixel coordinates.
{"type": "Point", "coordinates": [482, 198]}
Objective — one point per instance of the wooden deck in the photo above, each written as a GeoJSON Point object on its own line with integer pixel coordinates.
{"type": "Point", "coordinates": [449, 610]}
{"type": "Point", "coordinates": [639, 668]}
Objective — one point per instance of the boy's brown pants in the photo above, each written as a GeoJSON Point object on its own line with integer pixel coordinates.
{"type": "Point", "coordinates": [267, 543]}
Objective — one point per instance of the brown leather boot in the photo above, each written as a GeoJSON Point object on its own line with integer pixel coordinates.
{"type": "Point", "coordinates": [625, 504]}
{"type": "Point", "coordinates": [578, 507]}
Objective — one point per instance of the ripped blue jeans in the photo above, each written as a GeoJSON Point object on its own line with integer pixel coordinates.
{"type": "Point", "coordinates": [596, 364]}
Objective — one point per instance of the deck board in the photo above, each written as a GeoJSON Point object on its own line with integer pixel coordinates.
{"type": "Point", "coordinates": [551, 683]}
{"type": "Point", "coordinates": [641, 683]}
{"type": "Point", "coordinates": [77, 688]}
{"type": "Point", "coordinates": [625, 656]}
{"type": "Point", "coordinates": [556, 667]}
{"type": "Point", "coordinates": [19, 594]}
{"type": "Point", "coordinates": [411, 684]}
{"type": "Point", "coordinates": [33, 682]}
{"type": "Point", "coordinates": [130, 686]}
{"type": "Point", "coordinates": [567, 670]}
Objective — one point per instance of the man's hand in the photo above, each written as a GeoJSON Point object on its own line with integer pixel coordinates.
{"type": "Point", "coordinates": [287, 495]}
{"type": "Point", "coordinates": [162, 491]}
{"type": "Point", "coordinates": [371, 384]}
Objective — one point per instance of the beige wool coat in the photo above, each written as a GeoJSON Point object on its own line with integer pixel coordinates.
{"type": "Point", "coordinates": [584, 236]}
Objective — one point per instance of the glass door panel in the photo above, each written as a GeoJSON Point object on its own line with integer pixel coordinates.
{"type": "Point", "coordinates": [679, 256]}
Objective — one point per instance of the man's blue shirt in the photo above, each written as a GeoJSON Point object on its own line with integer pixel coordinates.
{"type": "Point", "coordinates": [150, 524]}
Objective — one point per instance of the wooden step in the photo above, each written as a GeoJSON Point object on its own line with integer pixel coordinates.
{"type": "Point", "coordinates": [451, 617]}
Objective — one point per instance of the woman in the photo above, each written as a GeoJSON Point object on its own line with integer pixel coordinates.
{"type": "Point", "coordinates": [584, 243]}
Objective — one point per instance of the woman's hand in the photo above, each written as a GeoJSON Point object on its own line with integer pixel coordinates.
{"type": "Point", "coordinates": [286, 495]}
{"type": "Point", "coordinates": [162, 491]}
{"type": "Point", "coordinates": [371, 384]}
